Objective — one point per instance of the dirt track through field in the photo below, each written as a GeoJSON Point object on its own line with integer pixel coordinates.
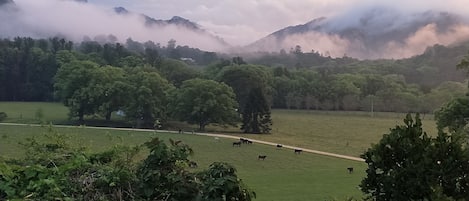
{"type": "Point", "coordinates": [205, 134]}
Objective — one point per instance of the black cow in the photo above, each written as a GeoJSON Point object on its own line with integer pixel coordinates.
{"type": "Point", "coordinates": [298, 151]}
{"type": "Point", "coordinates": [193, 164]}
{"type": "Point", "coordinates": [237, 144]}
{"type": "Point", "coordinates": [279, 146]}
{"type": "Point", "coordinates": [244, 141]}
{"type": "Point", "coordinates": [261, 157]}
{"type": "Point", "coordinates": [350, 170]}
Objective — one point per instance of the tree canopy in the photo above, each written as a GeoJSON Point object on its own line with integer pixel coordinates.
{"type": "Point", "coordinates": [252, 87]}
{"type": "Point", "coordinates": [204, 102]}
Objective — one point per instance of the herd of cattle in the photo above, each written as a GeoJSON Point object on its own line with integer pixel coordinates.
{"type": "Point", "coordinates": [262, 157]}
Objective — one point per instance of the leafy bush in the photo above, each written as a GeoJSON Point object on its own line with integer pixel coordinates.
{"type": "Point", "coordinates": [54, 170]}
{"type": "Point", "coordinates": [3, 116]}
{"type": "Point", "coordinates": [408, 164]}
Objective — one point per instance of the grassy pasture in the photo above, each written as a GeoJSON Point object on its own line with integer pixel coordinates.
{"type": "Point", "coordinates": [282, 176]}
{"type": "Point", "coordinates": [348, 133]}
{"type": "Point", "coordinates": [25, 112]}
{"type": "Point", "coordinates": [342, 132]}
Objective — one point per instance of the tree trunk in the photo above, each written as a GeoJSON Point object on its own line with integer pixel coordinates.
{"type": "Point", "coordinates": [108, 115]}
{"type": "Point", "coordinates": [81, 114]}
{"type": "Point", "coordinates": [202, 126]}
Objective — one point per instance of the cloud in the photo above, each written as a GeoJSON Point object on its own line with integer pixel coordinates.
{"type": "Point", "coordinates": [422, 38]}
{"type": "Point", "coordinates": [47, 18]}
{"type": "Point", "coordinates": [238, 22]}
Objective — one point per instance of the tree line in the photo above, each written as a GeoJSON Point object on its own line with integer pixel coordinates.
{"type": "Point", "coordinates": [143, 81]}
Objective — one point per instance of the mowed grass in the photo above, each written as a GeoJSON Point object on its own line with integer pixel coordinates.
{"type": "Point", "coordinates": [282, 176]}
{"type": "Point", "coordinates": [348, 133]}
{"type": "Point", "coordinates": [25, 112]}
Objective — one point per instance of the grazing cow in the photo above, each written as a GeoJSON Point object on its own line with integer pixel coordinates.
{"type": "Point", "coordinates": [237, 144]}
{"type": "Point", "coordinates": [298, 151]}
{"type": "Point", "coordinates": [249, 142]}
{"type": "Point", "coordinates": [350, 170]}
{"type": "Point", "coordinates": [193, 164]}
{"type": "Point", "coordinates": [261, 157]}
{"type": "Point", "coordinates": [244, 141]}
{"type": "Point", "coordinates": [279, 146]}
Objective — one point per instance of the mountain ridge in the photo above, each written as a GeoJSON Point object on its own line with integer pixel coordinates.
{"type": "Point", "coordinates": [369, 34]}
{"type": "Point", "coordinates": [175, 20]}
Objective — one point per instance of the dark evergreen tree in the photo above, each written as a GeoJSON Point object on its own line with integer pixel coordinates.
{"type": "Point", "coordinates": [251, 84]}
{"type": "Point", "coordinates": [256, 113]}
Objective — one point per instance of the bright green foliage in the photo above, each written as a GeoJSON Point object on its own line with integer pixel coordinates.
{"type": "Point", "coordinates": [112, 89]}
{"type": "Point", "coordinates": [454, 115]}
{"type": "Point", "coordinates": [148, 95]}
{"type": "Point", "coordinates": [204, 102]}
{"type": "Point", "coordinates": [220, 182]}
{"type": "Point", "coordinates": [55, 170]}
{"type": "Point", "coordinates": [407, 164]}
{"type": "Point", "coordinates": [75, 86]}
{"type": "Point", "coordinates": [176, 71]}
{"type": "Point", "coordinates": [162, 174]}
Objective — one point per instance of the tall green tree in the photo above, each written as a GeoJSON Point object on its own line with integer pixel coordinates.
{"type": "Point", "coordinates": [176, 71]}
{"type": "Point", "coordinates": [148, 96]}
{"type": "Point", "coordinates": [407, 164]}
{"type": "Point", "coordinates": [454, 115]}
{"type": "Point", "coordinates": [256, 113]}
{"type": "Point", "coordinates": [204, 102]}
{"type": "Point", "coordinates": [75, 86]}
{"type": "Point", "coordinates": [113, 89]}
{"type": "Point", "coordinates": [252, 86]}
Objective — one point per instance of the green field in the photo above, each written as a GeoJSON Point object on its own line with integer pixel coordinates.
{"type": "Point", "coordinates": [282, 176]}
{"type": "Point", "coordinates": [25, 112]}
{"type": "Point", "coordinates": [348, 133]}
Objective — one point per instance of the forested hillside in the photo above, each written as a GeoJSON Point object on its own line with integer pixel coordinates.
{"type": "Point", "coordinates": [296, 80]}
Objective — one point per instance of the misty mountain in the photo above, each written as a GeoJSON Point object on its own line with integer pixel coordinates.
{"type": "Point", "coordinates": [2, 2]}
{"type": "Point", "coordinates": [175, 21]}
{"type": "Point", "coordinates": [78, 20]}
{"type": "Point", "coordinates": [375, 33]}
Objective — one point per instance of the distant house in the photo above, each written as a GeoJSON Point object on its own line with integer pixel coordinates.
{"type": "Point", "coordinates": [187, 60]}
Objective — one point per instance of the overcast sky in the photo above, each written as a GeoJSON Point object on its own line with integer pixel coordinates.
{"type": "Point", "coordinates": [240, 22]}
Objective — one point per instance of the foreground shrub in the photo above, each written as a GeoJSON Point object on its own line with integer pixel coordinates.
{"type": "Point", "coordinates": [54, 170]}
{"type": "Point", "coordinates": [3, 116]}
